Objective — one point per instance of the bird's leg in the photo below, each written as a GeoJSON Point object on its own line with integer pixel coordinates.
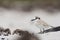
{"type": "Point", "coordinates": [41, 31]}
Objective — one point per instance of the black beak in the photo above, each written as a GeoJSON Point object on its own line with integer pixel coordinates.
{"type": "Point", "coordinates": [33, 19]}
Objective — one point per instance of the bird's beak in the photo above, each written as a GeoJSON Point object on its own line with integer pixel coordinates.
{"type": "Point", "coordinates": [33, 19]}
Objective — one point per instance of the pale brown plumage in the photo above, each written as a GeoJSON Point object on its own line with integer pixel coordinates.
{"type": "Point", "coordinates": [40, 23]}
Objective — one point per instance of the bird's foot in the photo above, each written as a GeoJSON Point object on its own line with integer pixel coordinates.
{"type": "Point", "coordinates": [41, 32]}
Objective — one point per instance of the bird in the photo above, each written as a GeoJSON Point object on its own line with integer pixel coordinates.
{"type": "Point", "coordinates": [38, 22]}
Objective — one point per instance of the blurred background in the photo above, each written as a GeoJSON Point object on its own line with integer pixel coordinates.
{"type": "Point", "coordinates": [18, 13]}
{"type": "Point", "coordinates": [29, 5]}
